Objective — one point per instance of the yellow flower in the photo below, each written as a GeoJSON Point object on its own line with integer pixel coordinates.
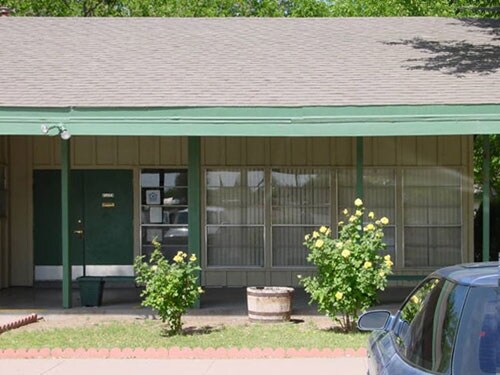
{"type": "Point", "coordinates": [371, 215]}
{"type": "Point", "coordinates": [323, 229]}
{"type": "Point", "coordinates": [346, 211]}
{"type": "Point", "coordinates": [339, 245]}
{"type": "Point", "coordinates": [352, 218]}
{"type": "Point", "coordinates": [341, 223]}
{"type": "Point", "coordinates": [193, 258]}
{"type": "Point", "coordinates": [154, 268]}
{"type": "Point", "coordinates": [345, 253]}
{"type": "Point", "coordinates": [315, 234]}
{"type": "Point", "coordinates": [319, 243]}
{"type": "Point", "coordinates": [367, 265]}
{"type": "Point", "coordinates": [358, 202]}
{"type": "Point", "coordinates": [384, 220]}
{"type": "Point", "coordinates": [339, 295]}
{"type": "Point", "coordinates": [369, 227]}
{"type": "Point", "coordinates": [178, 258]}
{"type": "Point", "coordinates": [200, 290]}
{"type": "Point", "coordinates": [359, 213]}
{"type": "Point", "coordinates": [299, 277]}
{"type": "Point", "coordinates": [307, 237]}
{"type": "Point", "coordinates": [184, 255]}
{"type": "Point", "coordinates": [389, 263]}
{"type": "Point", "coordinates": [381, 273]}
{"type": "Point", "coordinates": [328, 232]}
{"type": "Point", "coordinates": [387, 257]}
{"type": "Point", "coordinates": [415, 299]}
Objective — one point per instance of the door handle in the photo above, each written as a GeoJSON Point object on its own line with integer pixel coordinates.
{"type": "Point", "coordinates": [78, 231]}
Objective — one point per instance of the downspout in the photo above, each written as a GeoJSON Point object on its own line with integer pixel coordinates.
{"type": "Point", "coordinates": [359, 167]}
{"type": "Point", "coordinates": [486, 198]}
{"type": "Point", "coordinates": [66, 258]}
{"type": "Point", "coordinates": [194, 200]}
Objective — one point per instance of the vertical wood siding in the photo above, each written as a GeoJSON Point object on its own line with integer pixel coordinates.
{"type": "Point", "coordinates": [28, 153]}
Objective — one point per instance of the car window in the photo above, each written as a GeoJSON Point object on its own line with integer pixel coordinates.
{"type": "Point", "coordinates": [478, 342]}
{"type": "Point", "coordinates": [428, 325]}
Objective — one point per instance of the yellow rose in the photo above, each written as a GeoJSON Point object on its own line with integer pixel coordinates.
{"type": "Point", "coordinates": [358, 213]}
{"type": "Point", "coordinates": [369, 227]}
{"type": "Point", "coordinates": [345, 253]}
{"type": "Point", "coordinates": [341, 223]}
{"type": "Point", "coordinates": [346, 211]}
{"type": "Point", "coordinates": [388, 263]}
{"type": "Point", "coordinates": [178, 258]}
{"type": "Point", "coordinates": [200, 290]}
{"type": "Point", "coordinates": [371, 215]}
{"type": "Point", "coordinates": [323, 229]}
{"type": "Point", "coordinates": [367, 265]}
{"type": "Point", "coordinates": [328, 232]}
{"type": "Point", "coordinates": [307, 237]}
{"type": "Point", "coordinates": [339, 295]}
{"type": "Point", "coordinates": [339, 245]}
{"type": "Point", "coordinates": [358, 202]}
{"type": "Point", "coordinates": [193, 258]}
{"type": "Point", "coordinates": [315, 234]}
{"type": "Point", "coordinates": [384, 220]}
{"type": "Point", "coordinates": [387, 257]}
{"type": "Point", "coordinates": [352, 218]}
{"type": "Point", "coordinates": [184, 255]}
{"type": "Point", "coordinates": [154, 268]}
{"type": "Point", "coordinates": [319, 243]}
{"type": "Point", "coordinates": [415, 299]}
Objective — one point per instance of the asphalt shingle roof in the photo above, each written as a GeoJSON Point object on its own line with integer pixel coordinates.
{"type": "Point", "coordinates": [165, 62]}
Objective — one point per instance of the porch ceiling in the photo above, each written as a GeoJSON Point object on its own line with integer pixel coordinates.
{"type": "Point", "coordinates": [259, 121]}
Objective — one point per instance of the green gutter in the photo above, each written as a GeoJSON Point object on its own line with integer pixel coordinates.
{"type": "Point", "coordinates": [259, 121]}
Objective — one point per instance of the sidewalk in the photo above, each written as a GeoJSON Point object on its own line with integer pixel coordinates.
{"type": "Point", "coordinates": [348, 366]}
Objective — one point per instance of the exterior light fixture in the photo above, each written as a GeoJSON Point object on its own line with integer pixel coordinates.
{"type": "Point", "coordinates": [61, 130]}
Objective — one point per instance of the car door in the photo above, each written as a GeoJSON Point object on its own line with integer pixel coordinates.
{"type": "Point", "coordinates": [425, 329]}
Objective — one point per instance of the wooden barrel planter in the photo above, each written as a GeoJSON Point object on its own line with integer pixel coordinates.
{"type": "Point", "coordinates": [269, 304]}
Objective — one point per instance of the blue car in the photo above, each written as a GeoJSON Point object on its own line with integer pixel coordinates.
{"type": "Point", "coordinates": [449, 324]}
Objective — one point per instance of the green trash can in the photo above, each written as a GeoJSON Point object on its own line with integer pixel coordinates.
{"type": "Point", "coordinates": [91, 290]}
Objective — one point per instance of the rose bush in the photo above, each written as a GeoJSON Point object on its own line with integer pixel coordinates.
{"type": "Point", "coordinates": [350, 268]}
{"type": "Point", "coordinates": [169, 287]}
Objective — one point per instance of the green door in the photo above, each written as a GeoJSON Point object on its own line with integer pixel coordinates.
{"type": "Point", "coordinates": [101, 213]}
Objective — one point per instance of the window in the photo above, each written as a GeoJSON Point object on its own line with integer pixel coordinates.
{"type": "Point", "coordinates": [428, 325]}
{"type": "Point", "coordinates": [478, 342]}
{"type": "Point", "coordinates": [300, 203]}
{"type": "Point", "coordinates": [235, 217]}
{"type": "Point", "coordinates": [164, 210]}
{"type": "Point", "coordinates": [379, 197]}
{"type": "Point", "coordinates": [432, 217]}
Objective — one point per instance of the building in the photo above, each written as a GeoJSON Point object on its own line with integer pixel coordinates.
{"type": "Point", "coordinates": [260, 129]}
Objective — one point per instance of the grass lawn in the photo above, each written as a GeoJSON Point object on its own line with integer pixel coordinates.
{"type": "Point", "coordinates": [149, 334]}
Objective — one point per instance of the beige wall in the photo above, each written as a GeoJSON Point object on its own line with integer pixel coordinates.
{"type": "Point", "coordinates": [28, 153]}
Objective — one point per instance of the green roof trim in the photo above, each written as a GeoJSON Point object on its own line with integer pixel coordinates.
{"type": "Point", "coordinates": [259, 121]}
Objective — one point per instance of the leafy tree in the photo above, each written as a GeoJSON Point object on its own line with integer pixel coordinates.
{"type": "Point", "coordinates": [254, 8]}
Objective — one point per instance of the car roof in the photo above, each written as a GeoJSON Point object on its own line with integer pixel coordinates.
{"type": "Point", "coordinates": [472, 274]}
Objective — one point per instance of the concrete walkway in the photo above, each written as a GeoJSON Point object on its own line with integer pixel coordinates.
{"type": "Point", "coordinates": [348, 366]}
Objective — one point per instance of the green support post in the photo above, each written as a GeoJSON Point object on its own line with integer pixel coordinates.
{"type": "Point", "coordinates": [194, 200]}
{"type": "Point", "coordinates": [359, 167]}
{"type": "Point", "coordinates": [486, 198]}
{"type": "Point", "coordinates": [66, 258]}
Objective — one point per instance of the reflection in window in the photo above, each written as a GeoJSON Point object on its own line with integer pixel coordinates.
{"type": "Point", "coordinates": [432, 217]}
{"type": "Point", "coordinates": [164, 210]}
{"type": "Point", "coordinates": [235, 217]}
{"type": "Point", "coordinates": [300, 203]}
{"type": "Point", "coordinates": [428, 325]}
